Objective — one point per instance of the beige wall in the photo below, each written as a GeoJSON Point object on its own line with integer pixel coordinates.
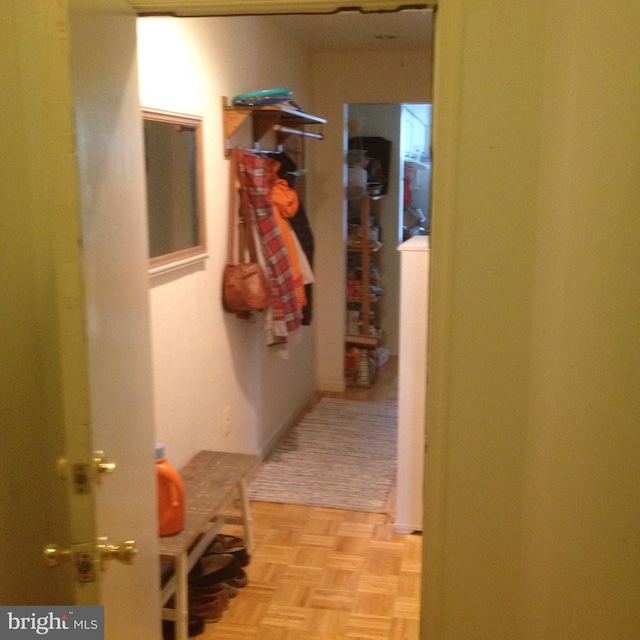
{"type": "Point", "coordinates": [206, 360]}
{"type": "Point", "coordinates": [533, 501]}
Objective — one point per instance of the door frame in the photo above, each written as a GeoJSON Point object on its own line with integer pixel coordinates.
{"type": "Point", "coordinates": [199, 8]}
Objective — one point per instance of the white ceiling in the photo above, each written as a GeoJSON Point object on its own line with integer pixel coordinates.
{"type": "Point", "coordinates": [355, 31]}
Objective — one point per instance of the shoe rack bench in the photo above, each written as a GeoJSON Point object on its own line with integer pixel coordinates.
{"type": "Point", "coordinates": [213, 482]}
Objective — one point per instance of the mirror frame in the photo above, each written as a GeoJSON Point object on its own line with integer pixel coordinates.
{"type": "Point", "coordinates": [199, 250]}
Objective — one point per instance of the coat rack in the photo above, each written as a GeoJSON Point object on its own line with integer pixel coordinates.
{"type": "Point", "coordinates": [281, 120]}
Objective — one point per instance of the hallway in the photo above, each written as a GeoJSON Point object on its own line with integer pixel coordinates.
{"type": "Point", "coordinates": [323, 574]}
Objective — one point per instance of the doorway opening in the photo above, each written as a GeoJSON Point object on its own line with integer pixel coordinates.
{"type": "Point", "coordinates": [327, 192]}
{"type": "Point", "coordinates": [389, 160]}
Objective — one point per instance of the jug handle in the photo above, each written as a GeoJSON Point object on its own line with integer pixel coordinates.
{"type": "Point", "coordinates": [170, 475]}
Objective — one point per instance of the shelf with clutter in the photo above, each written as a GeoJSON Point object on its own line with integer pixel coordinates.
{"type": "Point", "coordinates": [367, 182]}
{"type": "Point", "coordinates": [363, 278]}
{"type": "Point", "coordinates": [270, 111]}
{"type": "Point", "coordinates": [363, 336]}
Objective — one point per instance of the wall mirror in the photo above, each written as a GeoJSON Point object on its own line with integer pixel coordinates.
{"type": "Point", "coordinates": [175, 193]}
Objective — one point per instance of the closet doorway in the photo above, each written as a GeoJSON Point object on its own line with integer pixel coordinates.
{"type": "Point", "coordinates": [389, 144]}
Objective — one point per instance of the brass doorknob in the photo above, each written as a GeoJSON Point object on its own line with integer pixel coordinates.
{"type": "Point", "coordinates": [124, 552]}
{"type": "Point", "coordinates": [85, 556]}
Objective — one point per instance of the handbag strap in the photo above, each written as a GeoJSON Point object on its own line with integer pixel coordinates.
{"type": "Point", "coordinates": [234, 185]}
{"type": "Point", "coordinates": [246, 227]}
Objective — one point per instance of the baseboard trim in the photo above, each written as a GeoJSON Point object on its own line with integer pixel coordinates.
{"type": "Point", "coordinates": [267, 448]}
{"type": "Point", "coordinates": [335, 386]}
{"type": "Point", "coordinates": [407, 528]}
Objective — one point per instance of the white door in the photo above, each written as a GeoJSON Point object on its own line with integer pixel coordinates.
{"type": "Point", "coordinates": [109, 149]}
{"type": "Point", "coordinates": [74, 327]}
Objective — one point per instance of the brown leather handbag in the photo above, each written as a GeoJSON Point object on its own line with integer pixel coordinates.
{"type": "Point", "coordinates": [244, 287]}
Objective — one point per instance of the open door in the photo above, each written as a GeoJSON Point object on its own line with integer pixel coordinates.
{"type": "Point", "coordinates": [110, 161]}
{"type": "Point", "coordinates": [76, 374]}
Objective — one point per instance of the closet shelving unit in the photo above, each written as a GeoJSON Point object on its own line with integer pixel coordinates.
{"type": "Point", "coordinates": [368, 336]}
{"type": "Point", "coordinates": [281, 120]}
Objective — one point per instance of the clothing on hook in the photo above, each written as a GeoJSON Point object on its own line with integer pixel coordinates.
{"type": "Point", "coordinates": [287, 315]}
{"type": "Point", "coordinates": [302, 228]}
{"type": "Point", "coordinates": [285, 205]}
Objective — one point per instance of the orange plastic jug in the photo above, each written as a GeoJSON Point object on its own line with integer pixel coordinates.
{"type": "Point", "coordinates": [170, 495]}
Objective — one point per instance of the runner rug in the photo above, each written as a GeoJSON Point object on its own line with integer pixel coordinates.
{"type": "Point", "coordinates": [342, 454]}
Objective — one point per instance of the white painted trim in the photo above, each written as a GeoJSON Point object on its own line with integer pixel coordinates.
{"type": "Point", "coordinates": [256, 7]}
{"type": "Point", "coordinates": [337, 386]}
{"type": "Point", "coordinates": [407, 529]}
{"type": "Point", "coordinates": [178, 264]}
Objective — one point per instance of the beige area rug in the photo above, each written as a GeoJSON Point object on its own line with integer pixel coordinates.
{"type": "Point", "coordinates": [341, 455]}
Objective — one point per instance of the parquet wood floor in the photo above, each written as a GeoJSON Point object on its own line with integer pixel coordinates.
{"type": "Point", "coordinates": [327, 574]}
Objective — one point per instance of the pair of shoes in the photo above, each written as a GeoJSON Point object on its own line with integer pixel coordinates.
{"type": "Point", "coordinates": [209, 608]}
{"type": "Point", "coordinates": [213, 569]}
{"type": "Point", "coordinates": [230, 592]}
{"type": "Point", "coordinates": [239, 580]}
{"type": "Point", "coordinates": [231, 545]}
{"type": "Point", "coordinates": [195, 626]}
{"type": "Point", "coordinates": [218, 568]}
{"type": "Point", "coordinates": [217, 592]}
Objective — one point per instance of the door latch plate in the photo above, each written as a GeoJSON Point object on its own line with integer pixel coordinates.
{"type": "Point", "coordinates": [81, 477]}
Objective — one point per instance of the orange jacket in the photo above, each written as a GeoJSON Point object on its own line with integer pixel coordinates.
{"type": "Point", "coordinates": [285, 205]}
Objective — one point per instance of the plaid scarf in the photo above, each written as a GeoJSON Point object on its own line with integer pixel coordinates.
{"type": "Point", "coordinates": [253, 178]}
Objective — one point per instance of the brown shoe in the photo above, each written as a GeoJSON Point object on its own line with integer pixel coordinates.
{"type": "Point", "coordinates": [231, 592]}
{"type": "Point", "coordinates": [200, 596]}
{"type": "Point", "coordinates": [230, 545]}
{"type": "Point", "coordinates": [209, 609]}
{"type": "Point", "coordinates": [238, 581]}
{"type": "Point", "coordinates": [213, 569]}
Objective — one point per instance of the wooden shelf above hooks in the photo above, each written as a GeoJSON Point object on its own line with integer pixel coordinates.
{"type": "Point", "coordinates": [282, 120]}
